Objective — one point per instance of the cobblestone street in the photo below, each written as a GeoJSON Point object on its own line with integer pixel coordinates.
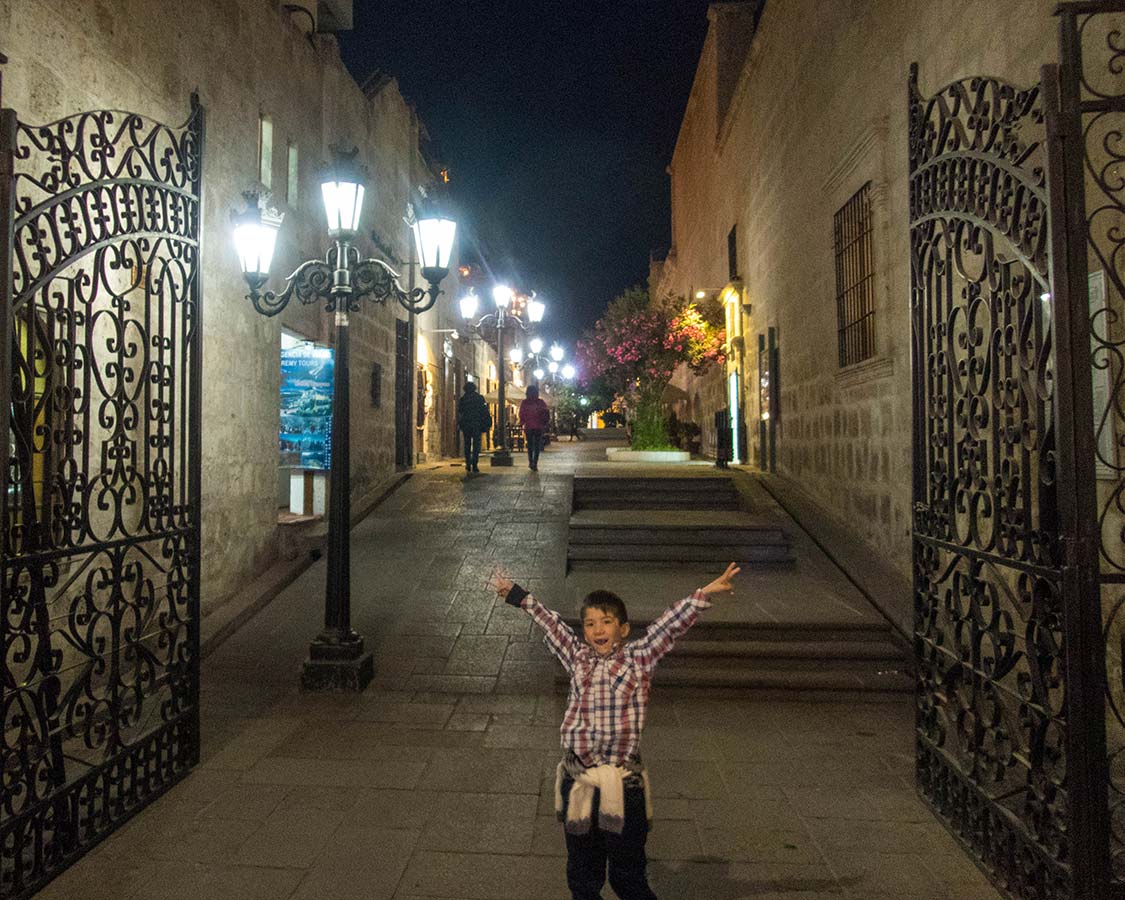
{"type": "Point", "coordinates": [437, 781]}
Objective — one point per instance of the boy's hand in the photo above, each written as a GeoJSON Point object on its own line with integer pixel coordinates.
{"type": "Point", "coordinates": [722, 584]}
{"type": "Point", "coordinates": [499, 582]}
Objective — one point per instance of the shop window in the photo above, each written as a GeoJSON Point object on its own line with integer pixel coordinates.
{"type": "Point", "coordinates": [855, 279]}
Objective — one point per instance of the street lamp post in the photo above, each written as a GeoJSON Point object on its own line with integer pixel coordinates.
{"type": "Point", "coordinates": [337, 659]}
{"type": "Point", "coordinates": [501, 320]}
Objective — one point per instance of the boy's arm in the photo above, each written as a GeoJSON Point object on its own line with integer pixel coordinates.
{"type": "Point", "coordinates": [559, 637]}
{"type": "Point", "coordinates": [659, 637]}
{"type": "Point", "coordinates": [678, 618]}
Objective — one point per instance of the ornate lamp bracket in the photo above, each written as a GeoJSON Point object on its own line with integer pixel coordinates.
{"type": "Point", "coordinates": [311, 281]}
{"type": "Point", "coordinates": [377, 281]}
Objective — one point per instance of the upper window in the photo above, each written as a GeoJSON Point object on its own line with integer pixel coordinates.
{"type": "Point", "coordinates": [855, 279]}
{"type": "Point", "coordinates": [265, 151]}
{"type": "Point", "coordinates": [291, 184]}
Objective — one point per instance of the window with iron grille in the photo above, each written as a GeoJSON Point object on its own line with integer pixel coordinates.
{"type": "Point", "coordinates": [855, 279]}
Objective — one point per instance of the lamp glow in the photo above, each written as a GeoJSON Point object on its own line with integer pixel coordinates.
{"type": "Point", "coordinates": [434, 238]}
{"type": "Point", "coordinates": [535, 310]}
{"type": "Point", "coordinates": [341, 186]}
{"type": "Point", "coordinates": [468, 305]}
{"type": "Point", "coordinates": [343, 201]}
{"type": "Point", "coordinates": [536, 346]}
{"type": "Point", "coordinates": [515, 355]}
{"type": "Point", "coordinates": [538, 373]}
{"type": "Point", "coordinates": [568, 371]}
{"type": "Point", "coordinates": [552, 367]}
{"type": "Point", "coordinates": [699, 295]}
{"type": "Point", "coordinates": [502, 294]}
{"type": "Point", "coordinates": [255, 237]}
{"type": "Point", "coordinates": [557, 353]}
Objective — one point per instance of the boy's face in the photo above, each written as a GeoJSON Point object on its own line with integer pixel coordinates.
{"type": "Point", "coordinates": [603, 630]}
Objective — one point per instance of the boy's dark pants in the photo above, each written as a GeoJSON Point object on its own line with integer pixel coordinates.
{"type": "Point", "coordinates": [588, 854]}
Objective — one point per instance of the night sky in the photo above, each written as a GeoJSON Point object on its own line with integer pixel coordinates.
{"type": "Point", "coordinates": [556, 119]}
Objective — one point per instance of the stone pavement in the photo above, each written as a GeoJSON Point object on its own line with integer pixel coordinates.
{"type": "Point", "coordinates": [437, 782]}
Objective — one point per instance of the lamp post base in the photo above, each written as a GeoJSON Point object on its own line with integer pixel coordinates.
{"type": "Point", "coordinates": [343, 666]}
{"type": "Point", "coordinates": [501, 458]}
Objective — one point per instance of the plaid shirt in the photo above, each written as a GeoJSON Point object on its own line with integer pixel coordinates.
{"type": "Point", "coordinates": [605, 714]}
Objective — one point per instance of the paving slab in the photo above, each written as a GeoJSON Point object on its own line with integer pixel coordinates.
{"type": "Point", "coordinates": [437, 782]}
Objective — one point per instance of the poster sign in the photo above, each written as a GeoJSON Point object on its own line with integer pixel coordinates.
{"type": "Point", "coordinates": [306, 406]}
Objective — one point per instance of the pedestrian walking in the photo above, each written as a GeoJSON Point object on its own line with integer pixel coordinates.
{"type": "Point", "coordinates": [473, 418]}
{"type": "Point", "coordinates": [535, 417]}
{"type": "Point", "coordinates": [601, 787]}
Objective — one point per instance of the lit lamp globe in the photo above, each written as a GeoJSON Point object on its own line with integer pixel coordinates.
{"type": "Point", "coordinates": [433, 236]}
{"type": "Point", "coordinates": [568, 371]}
{"type": "Point", "coordinates": [538, 373]}
{"type": "Point", "coordinates": [341, 186]}
{"type": "Point", "coordinates": [468, 305]}
{"type": "Point", "coordinates": [535, 310]}
{"type": "Point", "coordinates": [515, 355]}
{"type": "Point", "coordinates": [557, 353]}
{"type": "Point", "coordinates": [502, 295]}
{"type": "Point", "coordinates": [536, 346]}
{"type": "Point", "coordinates": [552, 367]}
{"type": "Point", "coordinates": [255, 236]}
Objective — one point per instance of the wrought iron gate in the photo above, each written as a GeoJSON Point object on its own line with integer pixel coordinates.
{"type": "Point", "coordinates": [1017, 217]}
{"type": "Point", "coordinates": [1088, 239]}
{"type": "Point", "coordinates": [99, 516]}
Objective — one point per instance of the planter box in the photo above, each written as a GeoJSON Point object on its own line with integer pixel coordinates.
{"type": "Point", "coordinates": [619, 454]}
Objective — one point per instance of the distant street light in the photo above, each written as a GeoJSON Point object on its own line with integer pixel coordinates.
{"type": "Point", "coordinates": [502, 320]}
{"type": "Point", "coordinates": [337, 660]}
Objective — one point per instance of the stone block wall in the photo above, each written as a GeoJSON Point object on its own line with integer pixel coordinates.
{"type": "Point", "coordinates": [246, 58]}
{"type": "Point", "coordinates": [812, 120]}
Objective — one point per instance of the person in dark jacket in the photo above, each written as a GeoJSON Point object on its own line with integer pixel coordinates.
{"type": "Point", "coordinates": [534, 417]}
{"type": "Point", "coordinates": [473, 418]}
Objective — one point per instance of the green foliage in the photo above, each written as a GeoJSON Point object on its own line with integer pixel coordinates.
{"type": "Point", "coordinates": [650, 430]}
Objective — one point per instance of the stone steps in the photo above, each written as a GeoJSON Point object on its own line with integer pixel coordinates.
{"type": "Point", "coordinates": [787, 660]}
{"type": "Point", "coordinates": [807, 654]}
{"type": "Point", "coordinates": [696, 493]}
{"type": "Point", "coordinates": [655, 545]}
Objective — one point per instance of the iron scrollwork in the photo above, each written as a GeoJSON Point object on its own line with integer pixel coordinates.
{"type": "Point", "coordinates": [99, 516]}
{"type": "Point", "coordinates": [1094, 50]}
{"type": "Point", "coordinates": [341, 280]}
{"type": "Point", "coordinates": [989, 637]}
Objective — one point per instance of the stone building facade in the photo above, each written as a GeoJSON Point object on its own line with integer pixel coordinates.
{"type": "Point", "coordinates": [277, 98]}
{"type": "Point", "coordinates": [782, 129]}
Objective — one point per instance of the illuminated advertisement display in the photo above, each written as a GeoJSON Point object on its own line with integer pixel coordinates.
{"type": "Point", "coordinates": [306, 406]}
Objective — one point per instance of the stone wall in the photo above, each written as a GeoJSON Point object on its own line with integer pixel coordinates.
{"type": "Point", "coordinates": [246, 58]}
{"type": "Point", "coordinates": [818, 111]}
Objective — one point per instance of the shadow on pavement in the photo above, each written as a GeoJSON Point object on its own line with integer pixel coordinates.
{"type": "Point", "coordinates": [711, 877]}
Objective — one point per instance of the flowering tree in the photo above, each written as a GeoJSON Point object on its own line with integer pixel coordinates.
{"type": "Point", "coordinates": [637, 345]}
